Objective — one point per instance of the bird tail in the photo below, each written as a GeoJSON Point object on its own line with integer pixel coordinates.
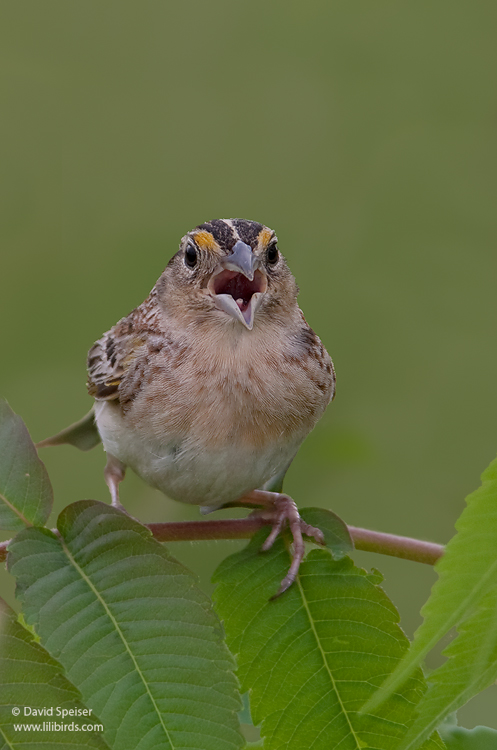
{"type": "Point", "coordinates": [83, 434]}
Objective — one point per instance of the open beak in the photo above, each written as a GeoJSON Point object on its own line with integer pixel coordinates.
{"type": "Point", "coordinates": [237, 285]}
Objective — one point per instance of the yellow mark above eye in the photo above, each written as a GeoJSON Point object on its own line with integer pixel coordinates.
{"type": "Point", "coordinates": [265, 235]}
{"type": "Point", "coordinates": [205, 240]}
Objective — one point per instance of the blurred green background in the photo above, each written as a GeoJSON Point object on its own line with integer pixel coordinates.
{"type": "Point", "coordinates": [363, 133]}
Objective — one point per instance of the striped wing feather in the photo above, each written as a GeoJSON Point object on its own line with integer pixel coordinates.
{"type": "Point", "coordinates": [112, 355]}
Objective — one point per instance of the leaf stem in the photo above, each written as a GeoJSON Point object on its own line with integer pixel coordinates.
{"type": "Point", "coordinates": [243, 528]}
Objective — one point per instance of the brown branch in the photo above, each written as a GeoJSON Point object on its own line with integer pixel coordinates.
{"type": "Point", "coordinates": [189, 531]}
{"type": "Point", "coordinates": [243, 528]}
{"type": "Point", "coordinates": [364, 539]}
{"type": "Point", "coordinates": [398, 546]}
{"type": "Point", "coordinates": [3, 549]}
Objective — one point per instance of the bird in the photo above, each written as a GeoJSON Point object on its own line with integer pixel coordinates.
{"type": "Point", "coordinates": [207, 389]}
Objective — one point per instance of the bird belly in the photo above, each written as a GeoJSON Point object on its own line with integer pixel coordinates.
{"type": "Point", "coordinates": [189, 470]}
{"type": "Point", "coordinates": [213, 478]}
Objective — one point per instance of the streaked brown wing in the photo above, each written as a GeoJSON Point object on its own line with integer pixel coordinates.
{"type": "Point", "coordinates": [111, 356]}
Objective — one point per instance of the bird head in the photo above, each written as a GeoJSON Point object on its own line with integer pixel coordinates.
{"type": "Point", "coordinates": [231, 271]}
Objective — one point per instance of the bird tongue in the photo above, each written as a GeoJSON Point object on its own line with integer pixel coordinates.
{"type": "Point", "coordinates": [239, 286]}
{"type": "Point", "coordinates": [237, 295]}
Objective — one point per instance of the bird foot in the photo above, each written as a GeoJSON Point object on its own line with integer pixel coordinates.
{"type": "Point", "coordinates": [283, 511]}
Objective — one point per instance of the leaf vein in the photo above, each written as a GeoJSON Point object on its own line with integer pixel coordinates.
{"type": "Point", "coordinates": [121, 635]}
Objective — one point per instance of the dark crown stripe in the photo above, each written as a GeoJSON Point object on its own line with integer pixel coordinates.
{"type": "Point", "coordinates": [248, 230]}
{"type": "Point", "coordinates": [222, 232]}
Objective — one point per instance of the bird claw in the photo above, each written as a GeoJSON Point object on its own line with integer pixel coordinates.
{"type": "Point", "coordinates": [285, 512]}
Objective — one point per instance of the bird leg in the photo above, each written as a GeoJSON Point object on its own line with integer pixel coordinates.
{"type": "Point", "coordinates": [114, 474]}
{"type": "Point", "coordinates": [279, 510]}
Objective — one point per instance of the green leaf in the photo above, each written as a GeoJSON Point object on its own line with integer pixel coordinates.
{"type": "Point", "coordinates": [32, 679]}
{"type": "Point", "coordinates": [244, 714]}
{"type": "Point", "coordinates": [467, 572]}
{"type": "Point", "coordinates": [132, 629]}
{"type": "Point", "coordinates": [471, 667]}
{"type": "Point", "coordinates": [313, 656]}
{"type": "Point", "coordinates": [336, 533]}
{"type": "Point", "coordinates": [479, 738]}
{"type": "Point", "coordinates": [25, 491]}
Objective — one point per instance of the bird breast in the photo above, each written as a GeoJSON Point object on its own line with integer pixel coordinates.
{"type": "Point", "coordinates": [254, 389]}
{"type": "Point", "coordinates": [210, 420]}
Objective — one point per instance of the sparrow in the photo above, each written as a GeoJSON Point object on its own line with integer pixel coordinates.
{"type": "Point", "coordinates": [208, 388]}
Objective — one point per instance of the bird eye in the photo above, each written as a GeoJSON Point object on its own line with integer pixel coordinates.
{"type": "Point", "coordinates": [272, 254]}
{"type": "Point", "coordinates": [190, 256]}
